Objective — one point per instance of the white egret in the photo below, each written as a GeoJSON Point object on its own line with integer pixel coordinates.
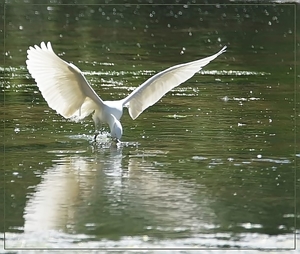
{"type": "Point", "coordinates": [67, 91]}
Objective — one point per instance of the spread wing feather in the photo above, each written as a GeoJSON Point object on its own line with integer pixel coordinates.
{"type": "Point", "coordinates": [157, 86]}
{"type": "Point", "coordinates": [62, 84]}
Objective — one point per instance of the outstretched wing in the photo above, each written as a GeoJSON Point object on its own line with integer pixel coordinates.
{"type": "Point", "coordinates": [161, 83]}
{"type": "Point", "coordinates": [62, 84]}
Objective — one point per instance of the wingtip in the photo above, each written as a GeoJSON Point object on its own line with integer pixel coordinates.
{"type": "Point", "coordinates": [49, 46]}
{"type": "Point", "coordinates": [46, 45]}
{"type": "Point", "coordinates": [223, 49]}
{"type": "Point", "coordinates": [42, 46]}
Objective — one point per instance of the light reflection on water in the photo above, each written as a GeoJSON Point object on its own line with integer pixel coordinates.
{"type": "Point", "coordinates": [80, 198]}
{"type": "Point", "coordinates": [76, 183]}
{"type": "Point", "coordinates": [244, 243]}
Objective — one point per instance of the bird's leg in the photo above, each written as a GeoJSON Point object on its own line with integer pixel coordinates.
{"type": "Point", "coordinates": [98, 124]}
{"type": "Point", "coordinates": [96, 134]}
{"type": "Point", "coordinates": [98, 127]}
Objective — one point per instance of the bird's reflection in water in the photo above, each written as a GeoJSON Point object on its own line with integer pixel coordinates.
{"type": "Point", "coordinates": [112, 191]}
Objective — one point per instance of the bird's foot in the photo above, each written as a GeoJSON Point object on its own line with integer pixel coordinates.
{"type": "Point", "coordinates": [116, 140]}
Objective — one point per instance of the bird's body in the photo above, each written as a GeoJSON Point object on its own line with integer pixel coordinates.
{"type": "Point", "coordinates": [110, 112]}
{"type": "Point", "coordinates": [67, 91]}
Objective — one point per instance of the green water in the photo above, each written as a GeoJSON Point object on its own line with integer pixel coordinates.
{"type": "Point", "coordinates": [211, 165]}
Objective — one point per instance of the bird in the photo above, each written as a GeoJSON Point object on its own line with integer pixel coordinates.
{"type": "Point", "coordinates": [67, 91]}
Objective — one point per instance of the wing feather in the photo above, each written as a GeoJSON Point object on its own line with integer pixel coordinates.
{"type": "Point", "coordinates": [62, 84]}
{"type": "Point", "coordinates": [157, 86]}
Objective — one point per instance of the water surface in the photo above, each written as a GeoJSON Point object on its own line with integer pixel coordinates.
{"type": "Point", "coordinates": [211, 165]}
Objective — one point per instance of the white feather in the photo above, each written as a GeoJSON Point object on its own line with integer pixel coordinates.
{"type": "Point", "coordinates": [66, 90]}
{"type": "Point", "coordinates": [62, 84]}
{"type": "Point", "coordinates": [157, 86]}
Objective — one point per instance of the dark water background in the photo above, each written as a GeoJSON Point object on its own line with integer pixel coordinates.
{"type": "Point", "coordinates": [211, 165]}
